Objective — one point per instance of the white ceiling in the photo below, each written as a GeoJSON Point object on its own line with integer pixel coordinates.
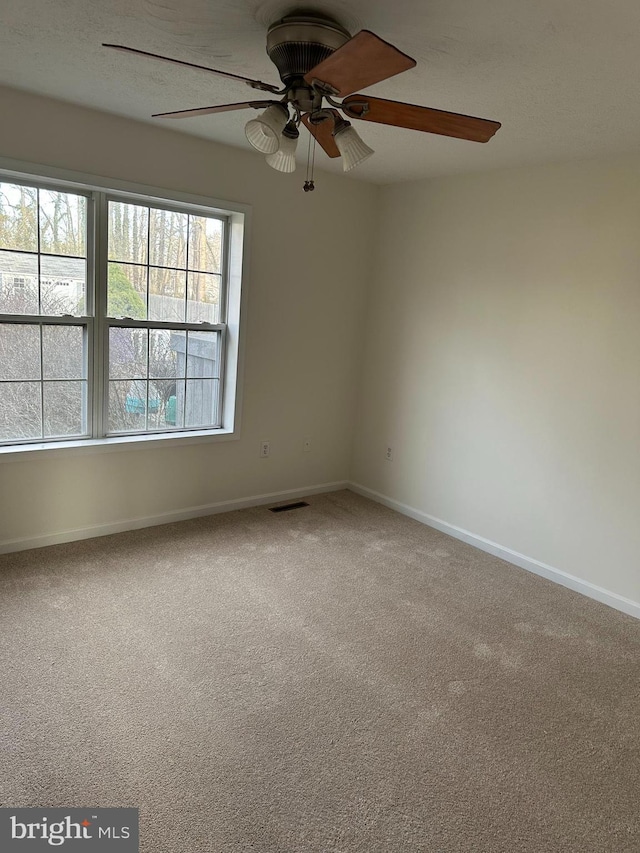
{"type": "Point", "coordinates": [561, 75]}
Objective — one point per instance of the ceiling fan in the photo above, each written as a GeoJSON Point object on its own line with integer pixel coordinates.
{"type": "Point", "coordinates": [318, 61]}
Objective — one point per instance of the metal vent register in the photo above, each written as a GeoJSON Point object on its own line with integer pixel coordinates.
{"type": "Point", "coordinates": [287, 507]}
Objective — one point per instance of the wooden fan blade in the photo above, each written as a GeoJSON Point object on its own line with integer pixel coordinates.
{"type": "Point", "coordinates": [362, 61]}
{"type": "Point", "coordinates": [222, 108]}
{"type": "Point", "coordinates": [323, 133]}
{"type": "Point", "coordinates": [420, 118]}
{"type": "Point", "coordinates": [257, 84]}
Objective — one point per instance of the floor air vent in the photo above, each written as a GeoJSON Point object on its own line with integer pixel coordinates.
{"type": "Point", "coordinates": [287, 507]}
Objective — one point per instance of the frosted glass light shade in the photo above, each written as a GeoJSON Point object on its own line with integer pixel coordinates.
{"type": "Point", "coordinates": [284, 160]}
{"type": "Point", "coordinates": [350, 146]}
{"type": "Point", "coordinates": [264, 131]}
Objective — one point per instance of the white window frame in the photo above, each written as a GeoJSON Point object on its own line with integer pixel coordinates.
{"type": "Point", "coordinates": [234, 278]}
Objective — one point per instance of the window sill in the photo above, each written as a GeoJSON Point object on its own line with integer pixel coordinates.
{"type": "Point", "coordinates": [21, 452]}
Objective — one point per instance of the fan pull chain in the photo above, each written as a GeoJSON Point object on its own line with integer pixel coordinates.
{"type": "Point", "coordinates": [309, 184]}
{"type": "Point", "coordinates": [308, 155]}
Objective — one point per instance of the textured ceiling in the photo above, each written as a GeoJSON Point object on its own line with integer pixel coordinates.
{"type": "Point", "coordinates": [561, 75]}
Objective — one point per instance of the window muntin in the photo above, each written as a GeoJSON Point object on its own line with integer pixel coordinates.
{"type": "Point", "coordinates": [157, 366]}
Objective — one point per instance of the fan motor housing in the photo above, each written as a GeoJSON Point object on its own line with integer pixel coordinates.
{"type": "Point", "coordinates": [298, 43]}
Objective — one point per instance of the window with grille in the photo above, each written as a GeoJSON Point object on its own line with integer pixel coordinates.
{"type": "Point", "coordinates": [114, 315]}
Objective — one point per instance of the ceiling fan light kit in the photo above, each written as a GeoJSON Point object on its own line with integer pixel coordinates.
{"type": "Point", "coordinates": [351, 147]}
{"type": "Point", "coordinates": [265, 131]}
{"type": "Point", "coordinates": [284, 159]}
{"type": "Point", "coordinates": [318, 61]}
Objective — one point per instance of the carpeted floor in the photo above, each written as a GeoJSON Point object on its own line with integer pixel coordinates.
{"type": "Point", "coordinates": [337, 678]}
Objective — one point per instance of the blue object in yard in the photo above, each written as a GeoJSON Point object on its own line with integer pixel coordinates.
{"type": "Point", "coordinates": [170, 411]}
{"type": "Point", "coordinates": [136, 406]}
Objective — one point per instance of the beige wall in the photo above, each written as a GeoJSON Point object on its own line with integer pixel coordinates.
{"type": "Point", "coordinates": [302, 336]}
{"type": "Point", "coordinates": [501, 348]}
{"type": "Point", "coordinates": [502, 362]}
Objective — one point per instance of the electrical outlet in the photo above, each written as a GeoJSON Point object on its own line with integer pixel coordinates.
{"type": "Point", "coordinates": [306, 446]}
{"type": "Point", "coordinates": [265, 448]}
{"type": "Point", "coordinates": [388, 455]}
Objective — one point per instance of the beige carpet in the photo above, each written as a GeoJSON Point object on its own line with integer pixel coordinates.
{"type": "Point", "coordinates": [337, 678]}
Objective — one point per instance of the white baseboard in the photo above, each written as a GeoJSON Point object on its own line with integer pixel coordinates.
{"type": "Point", "coordinates": [166, 517]}
{"type": "Point", "coordinates": [605, 596]}
{"type": "Point", "coordinates": [619, 602]}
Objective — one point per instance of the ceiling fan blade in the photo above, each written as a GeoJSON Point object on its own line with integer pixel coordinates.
{"type": "Point", "coordinates": [323, 133]}
{"type": "Point", "coordinates": [222, 108]}
{"type": "Point", "coordinates": [256, 84]}
{"type": "Point", "coordinates": [420, 118]}
{"type": "Point", "coordinates": [362, 61]}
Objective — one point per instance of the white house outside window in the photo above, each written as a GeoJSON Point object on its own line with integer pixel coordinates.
{"type": "Point", "coordinates": [117, 315]}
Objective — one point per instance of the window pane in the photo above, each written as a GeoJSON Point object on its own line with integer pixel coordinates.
{"type": "Point", "coordinates": [127, 406]}
{"type": "Point", "coordinates": [20, 411]}
{"type": "Point", "coordinates": [205, 244]}
{"type": "Point", "coordinates": [168, 238]}
{"type": "Point", "coordinates": [18, 217]}
{"type": "Point", "coordinates": [201, 403]}
{"type": "Point", "coordinates": [166, 354]}
{"type": "Point", "coordinates": [128, 232]}
{"type": "Point", "coordinates": [63, 283]}
{"type": "Point", "coordinates": [18, 283]}
{"type": "Point", "coordinates": [63, 408]}
{"type": "Point", "coordinates": [19, 352]}
{"type": "Point", "coordinates": [204, 298]}
{"type": "Point", "coordinates": [127, 353]}
{"type": "Point", "coordinates": [63, 352]}
{"type": "Point", "coordinates": [202, 355]}
{"type": "Point", "coordinates": [63, 218]}
{"type": "Point", "coordinates": [163, 408]}
{"type": "Point", "coordinates": [167, 294]}
{"type": "Point", "coordinates": [127, 291]}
